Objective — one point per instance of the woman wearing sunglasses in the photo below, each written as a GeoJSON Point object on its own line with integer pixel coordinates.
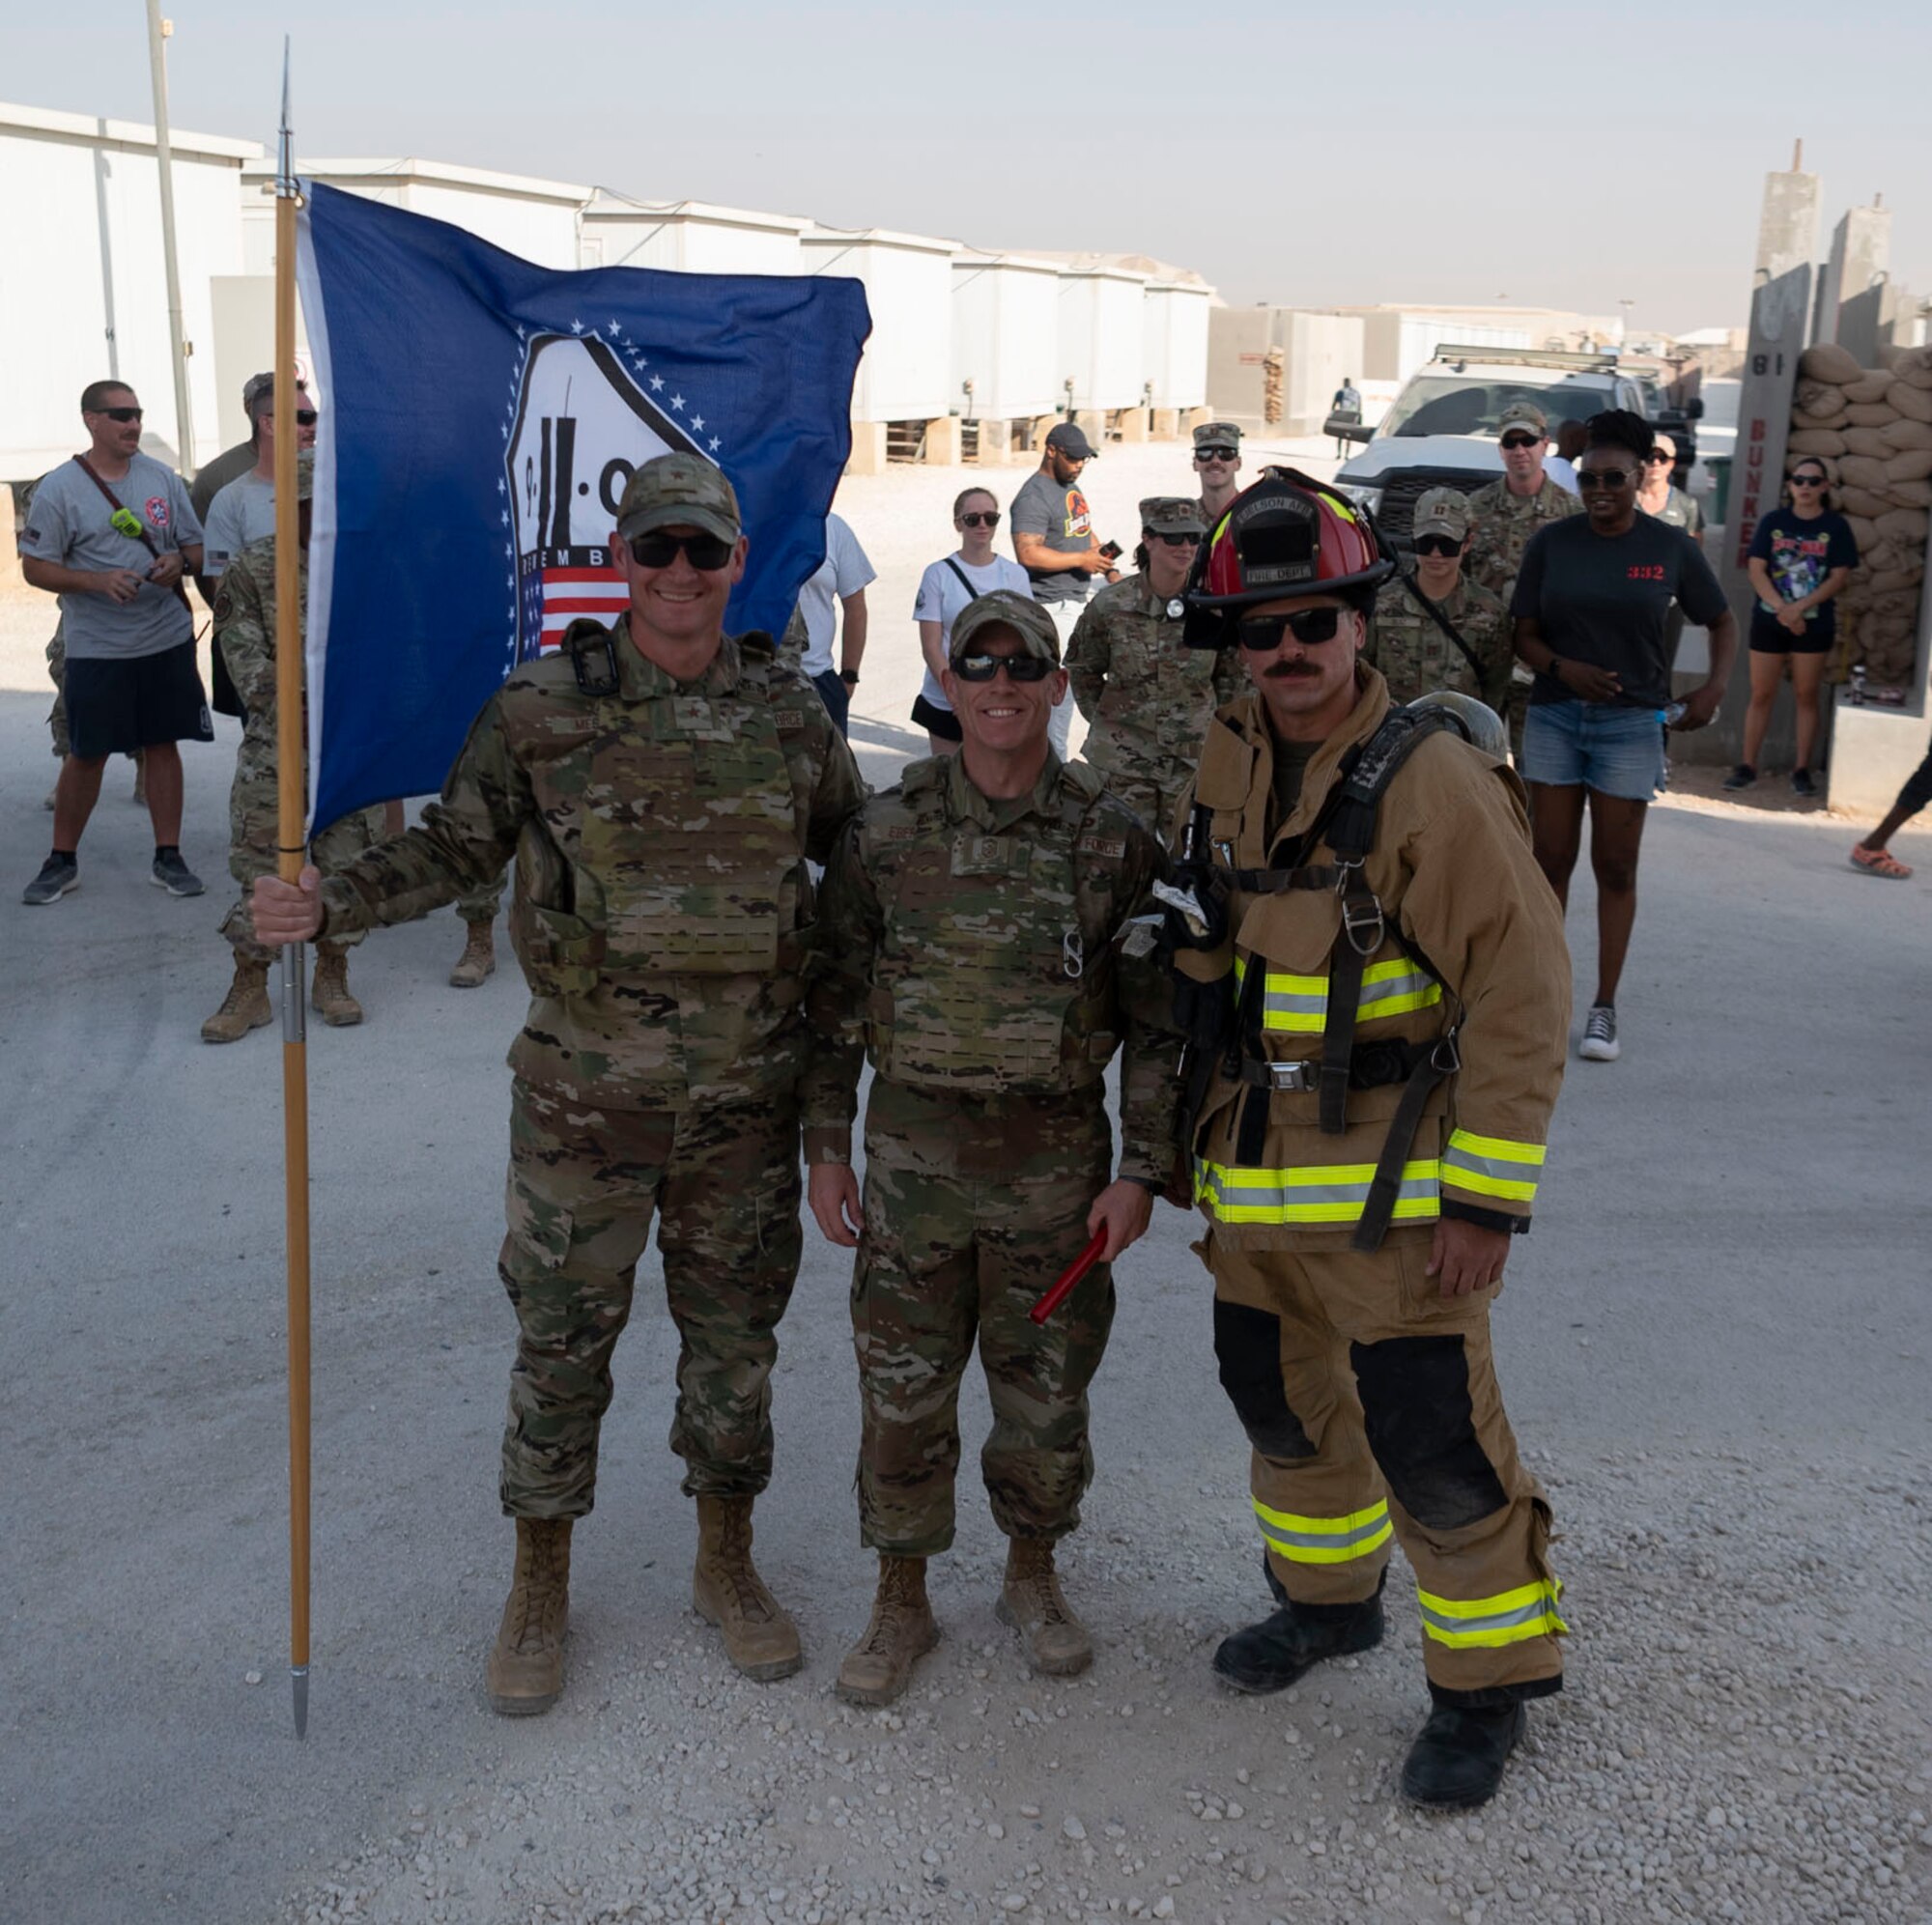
{"type": "Point", "coordinates": [1800, 558]}
{"type": "Point", "coordinates": [1592, 608]}
{"type": "Point", "coordinates": [1148, 697]}
{"type": "Point", "coordinates": [970, 571]}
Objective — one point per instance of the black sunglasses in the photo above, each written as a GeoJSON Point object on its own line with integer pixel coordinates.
{"type": "Point", "coordinates": [1437, 545]}
{"type": "Point", "coordinates": [656, 549]}
{"type": "Point", "coordinates": [120, 413]}
{"type": "Point", "coordinates": [1809, 481]}
{"type": "Point", "coordinates": [1515, 441]}
{"type": "Point", "coordinates": [1260, 633]}
{"type": "Point", "coordinates": [982, 520]}
{"type": "Point", "coordinates": [1213, 454]}
{"type": "Point", "coordinates": [1603, 477]}
{"type": "Point", "coordinates": [1019, 667]}
{"type": "Point", "coordinates": [1171, 541]}
{"type": "Point", "coordinates": [1655, 459]}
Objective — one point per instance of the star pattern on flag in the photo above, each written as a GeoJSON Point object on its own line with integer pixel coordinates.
{"type": "Point", "coordinates": [697, 422]}
{"type": "Point", "coordinates": [677, 402]}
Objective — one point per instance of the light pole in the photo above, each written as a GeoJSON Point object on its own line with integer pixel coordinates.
{"type": "Point", "coordinates": [1624, 319]}
{"type": "Point", "coordinates": [159, 31]}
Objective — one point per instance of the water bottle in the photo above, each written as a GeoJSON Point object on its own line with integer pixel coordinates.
{"type": "Point", "coordinates": [1672, 713]}
{"type": "Point", "coordinates": [1857, 694]}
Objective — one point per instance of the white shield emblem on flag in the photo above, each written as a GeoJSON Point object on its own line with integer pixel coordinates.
{"type": "Point", "coordinates": [582, 426]}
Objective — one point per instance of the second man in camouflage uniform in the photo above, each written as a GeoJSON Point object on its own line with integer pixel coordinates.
{"type": "Point", "coordinates": [660, 785]}
{"type": "Point", "coordinates": [1148, 697]}
{"type": "Point", "coordinates": [971, 919]}
{"type": "Point", "coordinates": [1433, 629]}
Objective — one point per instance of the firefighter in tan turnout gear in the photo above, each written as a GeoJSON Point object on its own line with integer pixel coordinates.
{"type": "Point", "coordinates": [1372, 974]}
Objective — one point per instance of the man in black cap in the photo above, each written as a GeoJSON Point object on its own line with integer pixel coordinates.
{"type": "Point", "coordinates": [1055, 543]}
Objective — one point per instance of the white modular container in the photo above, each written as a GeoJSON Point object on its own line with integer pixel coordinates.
{"type": "Point", "coordinates": [85, 285]}
{"type": "Point", "coordinates": [692, 236]}
{"type": "Point", "coordinates": [1101, 336]}
{"type": "Point", "coordinates": [906, 372]}
{"type": "Point", "coordinates": [1173, 342]}
{"type": "Point", "coordinates": [1006, 335]}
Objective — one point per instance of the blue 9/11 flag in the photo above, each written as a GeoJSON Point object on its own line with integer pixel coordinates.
{"type": "Point", "coordinates": [480, 418]}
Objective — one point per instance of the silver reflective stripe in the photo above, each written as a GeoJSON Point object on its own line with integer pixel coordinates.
{"type": "Point", "coordinates": [1414, 984]}
{"type": "Point", "coordinates": [1280, 1002]}
{"type": "Point", "coordinates": [1325, 1539]}
{"type": "Point", "coordinates": [1527, 1614]}
{"type": "Point", "coordinates": [1250, 1196]}
{"type": "Point", "coordinates": [1504, 1169]}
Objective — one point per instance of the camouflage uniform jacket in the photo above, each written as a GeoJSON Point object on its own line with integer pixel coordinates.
{"type": "Point", "coordinates": [1415, 656]}
{"type": "Point", "coordinates": [664, 910]}
{"type": "Point", "coordinates": [244, 632]}
{"type": "Point", "coordinates": [1501, 524]}
{"type": "Point", "coordinates": [1148, 697]}
{"type": "Point", "coordinates": [972, 946]}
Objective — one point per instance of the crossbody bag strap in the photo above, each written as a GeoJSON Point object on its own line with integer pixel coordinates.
{"type": "Point", "coordinates": [147, 540]}
{"type": "Point", "coordinates": [1447, 626]}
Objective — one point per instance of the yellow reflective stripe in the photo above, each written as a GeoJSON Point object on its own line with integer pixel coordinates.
{"type": "Point", "coordinates": [1492, 1166]}
{"type": "Point", "coordinates": [1311, 1193]}
{"type": "Point", "coordinates": [1510, 1617]}
{"type": "Point", "coordinates": [1324, 1540]}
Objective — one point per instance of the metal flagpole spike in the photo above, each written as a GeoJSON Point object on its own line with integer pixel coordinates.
{"type": "Point", "coordinates": [285, 151]}
{"type": "Point", "coordinates": [298, 1678]}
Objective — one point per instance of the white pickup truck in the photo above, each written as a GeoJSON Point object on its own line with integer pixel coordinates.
{"type": "Point", "coordinates": [1440, 430]}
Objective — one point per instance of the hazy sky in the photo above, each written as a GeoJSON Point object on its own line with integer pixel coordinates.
{"type": "Point", "coordinates": [1550, 155]}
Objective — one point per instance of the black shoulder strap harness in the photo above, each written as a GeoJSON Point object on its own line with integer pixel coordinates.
{"type": "Point", "coordinates": [1346, 824]}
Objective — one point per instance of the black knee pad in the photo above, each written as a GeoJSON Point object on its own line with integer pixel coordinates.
{"type": "Point", "coordinates": [1421, 1426]}
{"type": "Point", "coordinates": [1247, 1346]}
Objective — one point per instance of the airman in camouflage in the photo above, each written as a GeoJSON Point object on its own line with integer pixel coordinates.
{"type": "Point", "coordinates": [1434, 629]}
{"type": "Point", "coordinates": [1217, 466]}
{"type": "Point", "coordinates": [973, 922]}
{"type": "Point", "coordinates": [1148, 697]}
{"type": "Point", "coordinates": [245, 631]}
{"type": "Point", "coordinates": [660, 785]}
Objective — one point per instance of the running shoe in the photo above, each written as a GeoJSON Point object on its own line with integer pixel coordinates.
{"type": "Point", "coordinates": [58, 874]}
{"type": "Point", "coordinates": [174, 875]}
{"type": "Point", "coordinates": [1802, 782]}
{"type": "Point", "coordinates": [1600, 1034]}
{"type": "Point", "coordinates": [1741, 777]}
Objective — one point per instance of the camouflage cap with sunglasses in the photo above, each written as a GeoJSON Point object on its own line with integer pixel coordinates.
{"type": "Point", "coordinates": [1004, 608]}
{"type": "Point", "coordinates": [1441, 511]}
{"type": "Point", "coordinates": [1173, 515]}
{"type": "Point", "coordinates": [1217, 434]}
{"type": "Point", "coordinates": [679, 491]}
{"type": "Point", "coordinates": [1525, 418]}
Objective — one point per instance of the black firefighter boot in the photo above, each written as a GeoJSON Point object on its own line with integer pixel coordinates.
{"type": "Point", "coordinates": [1270, 1655]}
{"type": "Point", "coordinates": [1458, 1758]}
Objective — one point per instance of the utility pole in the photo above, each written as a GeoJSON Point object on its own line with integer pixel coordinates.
{"type": "Point", "coordinates": [159, 31]}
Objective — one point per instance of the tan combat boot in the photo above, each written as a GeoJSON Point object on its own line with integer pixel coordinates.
{"type": "Point", "coordinates": [525, 1673]}
{"type": "Point", "coordinates": [478, 960]}
{"type": "Point", "coordinates": [759, 1637]}
{"type": "Point", "coordinates": [245, 1006]}
{"type": "Point", "coordinates": [1054, 1640]}
{"type": "Point", "coordinates": [329, 994]}
{"type": "Point", "coordinates": [878, 1668]}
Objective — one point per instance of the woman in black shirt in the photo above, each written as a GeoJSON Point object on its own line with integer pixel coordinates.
{"type": "Point", "coordinates": [1592, 609]}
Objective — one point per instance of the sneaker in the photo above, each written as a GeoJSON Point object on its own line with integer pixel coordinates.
{"type": "Point", "coordinates": [1600, 1034]}
{"type": "Point", "coordinates": [174, 875]}
{"type": "Point", "coordinates": [1802, 782]}
{"type": "Point", "coordinates": [1741, 777]}
{"type": "Point", "coordinates": [58, 874]}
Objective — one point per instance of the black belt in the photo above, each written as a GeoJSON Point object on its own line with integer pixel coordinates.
{"type": "Point", "coordinates": [1371, 1067]}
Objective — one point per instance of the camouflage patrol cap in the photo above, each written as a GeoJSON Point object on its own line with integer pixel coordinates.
{"type": "Point", "coordinates": [1522, 415]}
{"type": "Point", "coordinates": [1217, 434]}
{"type": "Point", "coordinates": [1005, 608]}
{"type": "Point", "coordinates": [679, 489]}
{"type": "Point", "coordinates": [306, 475]}
{"type": "Point", "coordinates": [1173, 515]}
{"type": "Point", "coordinates": [1442, 510]}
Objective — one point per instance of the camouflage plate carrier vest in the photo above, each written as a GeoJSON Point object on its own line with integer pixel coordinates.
{"type": "Point", "coordinates": [995, 970]}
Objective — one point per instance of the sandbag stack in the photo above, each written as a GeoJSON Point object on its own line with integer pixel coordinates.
{"type": "Point", "coordinates": [1872, 428]}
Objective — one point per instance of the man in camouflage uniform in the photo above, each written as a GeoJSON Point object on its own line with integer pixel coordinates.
{"type": "Point", "coordinates": [1504, 515]}
{"type": "Point", "coordinates": [245, 631]}
{"type": "Point", "coordinates": [971, 916]}
{"type": "Point", "coordinates": [1148, 697]}
{"type": "Point", "coordinates": [660, 785]}
{"type": "Point", "coordinates": [1217, 464]}
{"type": "Point", "coordinates": [1431, 629]}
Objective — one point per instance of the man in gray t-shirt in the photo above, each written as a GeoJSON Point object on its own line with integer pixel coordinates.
{"type": "Point", "coordinates": [1055, 543]}
{"type": "Point", "coordinates": [112, 532]}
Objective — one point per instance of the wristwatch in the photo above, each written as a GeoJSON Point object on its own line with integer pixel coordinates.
{"type": "Point", "coordinates": [849, 676]}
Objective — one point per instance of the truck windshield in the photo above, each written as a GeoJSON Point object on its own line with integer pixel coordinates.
{"type": "Point", "coordinates": [1462, 405]}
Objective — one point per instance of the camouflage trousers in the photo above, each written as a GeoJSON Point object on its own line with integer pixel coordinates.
{"type": "Point", "coordinates": [973, 1205]}
{"type": "Point", "coordinates": [481, 905]}
{"type": "Point", "coordinates": [57, 675]}
{"type": "Point", "coordinates": [254, 834]}
{"type": "Point", "coordinates": [585, 1184]}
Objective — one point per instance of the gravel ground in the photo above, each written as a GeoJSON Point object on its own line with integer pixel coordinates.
{"type": "Point", "coordinates": [1711, 1346]}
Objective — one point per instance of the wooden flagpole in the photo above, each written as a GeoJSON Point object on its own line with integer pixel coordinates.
{"type": "Point", "coordinates": [293, 801]}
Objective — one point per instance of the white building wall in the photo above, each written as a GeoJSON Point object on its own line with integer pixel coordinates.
{"type": "Point", "coordinates": [690, 242]}
{"type": "Point", "coordinates": [85, 285]}
{"type": "Point", "coordinates": [905, 374]}
{"type": "Point", "coordinates": [1174, 343]}
{"type": "Point", "coordinates": [1006, 322]}
{"type": "Point", "coordinates": [1100, 330]}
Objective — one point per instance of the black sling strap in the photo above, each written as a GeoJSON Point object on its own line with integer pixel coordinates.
{"type": "Point", "coordinates": [1386, 1187]}
{"type": "Point", "coordinates": [1447, 626]}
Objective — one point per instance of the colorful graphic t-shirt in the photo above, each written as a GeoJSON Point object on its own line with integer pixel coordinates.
{"type": "Point", "coordinates": [1800, 554]}
{"type": "Point", "coordinates": [1060, 516]}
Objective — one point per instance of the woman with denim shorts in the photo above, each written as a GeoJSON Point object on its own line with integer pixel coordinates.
{"type": "Point", "coordinates": [1592, 608]}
